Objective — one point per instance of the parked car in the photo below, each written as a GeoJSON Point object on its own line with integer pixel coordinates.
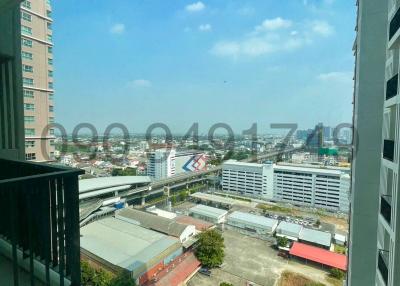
{"type": "Point", "coordinates": [205, 271]}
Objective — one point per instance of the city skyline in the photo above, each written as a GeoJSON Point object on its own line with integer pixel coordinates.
{"type": "Point", "coordinates": [203, 61]}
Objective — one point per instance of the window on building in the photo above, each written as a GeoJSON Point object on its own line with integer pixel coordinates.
{"type": "Point", "coordinates": [26, 30]}
{"type": "Point", "coordinates": [29, 106]}
{"type": "Point", "coordinates": [29, 143]}
{"type": "Point", "coordinates": [50, 73]}
{"type": "Point", "coordinates": [50, 61]}
{"type": "Point", "coordinates": [51, 108]}
{"type": "Point", "coordinates": [49, 26]}
{"type": "Point", "coordinates": [48, 2]}
{"type": "Point", "coordinates": [30, 156]}
{"type": "Point", "coordinates": [28, 93]}
{"type": "Point", "coordinates": [29, 131]}
{"type": "Point", "coordinates": [51, 131]}
{"type": "Point", "coordinates": [52, 143]}
{"type": "Point", "coordinates": [27, 43]}
{"type": "Point", "coordinates": [26, 55]}
{"type": "Point", "coordinates": [29, 119]}
{"type": "Point", "coordinates": [51, 96]}
{"type": "Point", "coordinates": [48, 13]}
{"type": "Point", "coordinates": [27, 81]}
{"type": "Point", "coordinates": [26, 4]}
{"type": "Point", "coordinates": [50, 50]}
{"type": "Point", "coordinates": [51, 86]}
{"type": "Point", "coordinates": [51, 120]}
{"type": "Point", "coordinates": [50, 38]}
{"type": "Point", "coordinates": [27, 68]}
{"type": "Point", "coordinates": [27, 17]}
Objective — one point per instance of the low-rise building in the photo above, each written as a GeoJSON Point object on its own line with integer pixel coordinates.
{"type": "Point", "coordinates": [162, 213]}
{"type": "Point", "coordinates": [213, 199]}
{"type": "Point", "coordinates": [289, 230]}
{"type": "Point", "coordinates": [252, 223]}
{"type": "Point", "coordinates": [118, 245]}
{"type": "Point", "coordinates": [316, 238]}
{"type": "Point", "coordinates": [207, 213]}
{"type": "Point", "coordinates": [157, 223]}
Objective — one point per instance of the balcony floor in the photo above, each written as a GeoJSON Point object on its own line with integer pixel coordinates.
{"type": "Point", "coordinates": [6, 274]}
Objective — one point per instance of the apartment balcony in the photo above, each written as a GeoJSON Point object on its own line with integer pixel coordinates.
{"type": "Point", "coordinates": [383, 259]}
{"type": "Point", "coordinates": [388, 150]}
{"type": "Point", "coordinates": [386, 208]}
{"type": "Point", "coordinates": [39, 224]}
{"type": "Point", "coordinates": [394, 24]}
{"type": "Point", "coordinates": [392, 87]}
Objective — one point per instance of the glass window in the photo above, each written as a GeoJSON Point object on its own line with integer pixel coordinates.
{"type": "Point", "coordinates": [27, 81]}
{"type": "Point", "coordinates": [26, 4]}
{"type": "Point", "coordinates": [48, 13]}
{"type": "Point", "coordinates": [27, 43]}
{"type": "Point", "coordinates": [27, 17]}
{"type": "Point", "coordinates": [50, 38]}
{"type": "Point", "coordinates": [28, 93]}
{"type": "Point", "coordinates": [51, 96]}
{"type": "Point", "coordinates": [51, 131]}
{"type": "Point", "coordinates": [30, 156]}
{"type": "Point", "coordinates": [50, 50]}
{"type": "Point", "coordinates": [29, 143]}
{"type": "Point", "coordinates": [50, 61]}
{"type": "Point", "coordinates": [50, 73]}
{"type": "Point", "coordinates": [29, 131]}
{"type": "Point", "coordinates": [29, 119]}
{"type": "Point", "coordinates": [51, 120]}
{"type": "Point", "coordinates": [29, 106]}
{"type": "Point", "coordinates": [49, 26]}
{"type": "Point", "coordinates": [26, 30]}
{"type": "Point", "coordinates": [27, 68]}
{"type": "Point", "coordinates": [51, 108]}
{"type": "Point", "coordinates": [51, 85]}
{"type": "Point", "coordinates": [26, 55]}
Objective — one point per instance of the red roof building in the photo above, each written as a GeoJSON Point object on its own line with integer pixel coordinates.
{"type": "Point", "coordinates": [319, 255]}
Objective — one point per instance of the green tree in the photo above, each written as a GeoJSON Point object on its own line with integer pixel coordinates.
{"type": "Point", "coordinates": [225, 284]}
{"type": "Point", "coordinates": [282, 241]}
{"type": "Point", "coordinates": [210, 249]}
{"type": "Point", "coordinates": [123, 279]}
{"type": "Point", "coordinates": [94, 277]}
{"type": "Point", "coordinates": [337, 273]}
{"type": "Point", "coordinates": [182, 196]}
{"type": "Point", "coordinates": [173, 200]}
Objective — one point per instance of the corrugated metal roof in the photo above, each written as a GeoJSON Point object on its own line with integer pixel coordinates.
{"type": "Point", "coordinates": [94, 184]}
{"type": "Point", "coordinates": [290, 229]}
{"type": "Point", "coordinates": [208, 211]}
{"type": "Point", "coordinates": [316, 236]}
{"type": "Point", "coordinates": [255, 220]}
{"type": "Point", "coordinates": [124, 244]}
{"type": "Point", "coordinates": [213, 198]}
{"type": "Point", "coordinates": [151, 221]}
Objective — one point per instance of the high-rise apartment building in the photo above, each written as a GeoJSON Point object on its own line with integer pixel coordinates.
{"type": "Point", "coordinates": [374, 256]}
{"type": "Point", "coordinates": [37, 78]}
{"type": "Point", "coordinates": [161, 163]}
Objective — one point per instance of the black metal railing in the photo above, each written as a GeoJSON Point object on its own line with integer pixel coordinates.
{"type": "Point", "coordinates": [394, 24]}
{"type": "Point", "coordinates": [392, 87]}
{"type": "Point", "coordinates": [382, 265]}
{"type": "Point", "coordinates": [39, 215]}
{"type": "Point", "coordinates": [388, 149]}
{"type": "Point", "coordinates": [386, 208]}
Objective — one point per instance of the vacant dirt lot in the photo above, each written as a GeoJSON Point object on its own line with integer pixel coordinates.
{"type": "Point", "coordinates": [254, 260]}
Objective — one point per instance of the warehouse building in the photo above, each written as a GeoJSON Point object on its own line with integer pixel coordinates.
{"type": "Point", "coordinates": [157, 223]}
{"type": "Point", "coordinates": [214, 200]}
{"type": "Point", "coordinates": [289, 230]}
{"type": "Point", "coordinates": [316, 238]}
{"type": "Point", "coordinates": [309, 186]}
{"type": "Point", "coordinates": [161, 212]}
{"type": "Point", "coordinates": [118, 245]}
{"type": "Point", "coordinates": [209, 214]}
{"type": "Point", "coordinates": [252, 223]}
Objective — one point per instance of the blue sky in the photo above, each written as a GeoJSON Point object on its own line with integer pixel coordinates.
{"type": "Point", "coordinates": [178, 62]}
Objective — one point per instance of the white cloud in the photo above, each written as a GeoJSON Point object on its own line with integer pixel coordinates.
{"type": "Point", "coordinates": [322, 28]}
{"type": "Point", "coordinates": [272, 36]}
{"type": "Point", "coordinates": [117, 29]}
{"type": "Point", "coordinates": [205, 27]}
{"type": "Point", "coordinates": [140, 83]}
{"type": "Point", "coordinates": [336, 77]}
{"type": "Point", "coordinates": [195, 7]}
{"type": "Point", "coordinates": [273, 24]}
{"type": "Point", "coordinates": [246, 11]}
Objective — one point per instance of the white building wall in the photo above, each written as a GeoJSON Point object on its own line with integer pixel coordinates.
{"type": "Point", "coordinates": [161, 164]}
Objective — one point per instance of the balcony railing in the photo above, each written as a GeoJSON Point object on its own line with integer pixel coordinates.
{"type": "Point", "coordinates": [386, 208]}
{"type": "Point", "coordinates": [382, 265]}
{"type": "Point", "coordinates": [394, 24]}
{"type": "Point", "coordinates": [388, 149]}
{"type": "Point", "coordinates": [392, 87]}
{"type": "Point", "coordinates": [39, 216]}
